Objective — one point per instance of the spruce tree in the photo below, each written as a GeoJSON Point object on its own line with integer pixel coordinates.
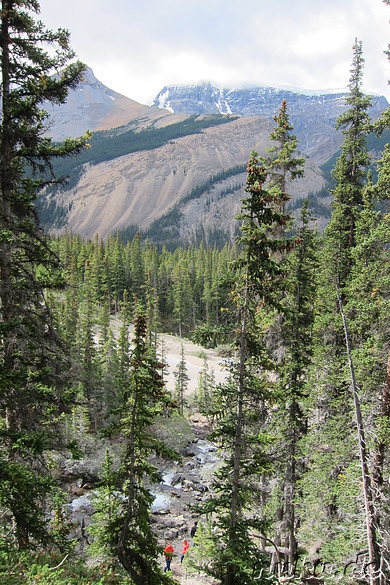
{"type": "Point", "coordinates": [34, 69]}
{"type": "Point", "coordinates": [205, 390]}
{"type": "Point", "coordinates": [257, 293]}
{"type": "Point", "coordinates": [129, 534]}
{"type": "Point", "coordinates": [289, 422]}
{"type": "Point", "coordinates": [181, 381]}
{"type": "Point", "coordinates": [333, 421]}
{"type": "Point", "coordinates": [283, 164]}
{"type": "Point", "coordinates": [367, 318]}
{"type": "Point", "coordinates": [243, 399]}
{"type": "Point", "coordinates": [349, 173]}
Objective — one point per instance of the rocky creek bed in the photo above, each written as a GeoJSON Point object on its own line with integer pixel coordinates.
{"type": "Point", "coordinates": [184, 483]}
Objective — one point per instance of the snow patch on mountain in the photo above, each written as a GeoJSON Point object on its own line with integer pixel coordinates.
{"type": "Point", "coordinates": [163, 101]}
{"type": "Point", "coordinates": [308, 109]}
{"type": "Point", "coordinates": [208, 99]}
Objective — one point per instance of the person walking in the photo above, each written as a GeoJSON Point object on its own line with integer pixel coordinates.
{"type": "Point", "coordinates": [168, 554]}
{"type": "Point", "coordinates": [194, 529]}
{"type": "Point", "coordinates": [186, 546]}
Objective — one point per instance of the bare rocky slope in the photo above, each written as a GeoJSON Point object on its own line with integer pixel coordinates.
{"type": "Point", "coordinates": [93, 106]}
{"type": "Point", "coordinates": [139, 188]}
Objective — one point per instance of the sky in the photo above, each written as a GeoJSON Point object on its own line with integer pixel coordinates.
{"type": "Point", "coordinates": [136, 47]}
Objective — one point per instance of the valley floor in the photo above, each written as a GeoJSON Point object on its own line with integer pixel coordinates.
{"type": "Point", "coordinates": [170, 347]}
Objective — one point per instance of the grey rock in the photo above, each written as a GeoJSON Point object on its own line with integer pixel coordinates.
{"type": "Point", "coordinates": [313, 114]}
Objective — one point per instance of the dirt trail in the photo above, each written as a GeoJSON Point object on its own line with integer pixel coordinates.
{"type": "Point", "coordinates": [188, 577]}
{"type": "Point", "coordinates": [170, 347]}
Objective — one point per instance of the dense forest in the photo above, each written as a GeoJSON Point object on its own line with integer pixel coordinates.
{"type": "Point", "coordinates": [302, 421]}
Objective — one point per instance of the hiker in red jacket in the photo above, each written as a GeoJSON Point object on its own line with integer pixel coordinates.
{"type": "Point", "coordinates": [186, 546]}
{"type": "Point", "coordinates": [168, 554]}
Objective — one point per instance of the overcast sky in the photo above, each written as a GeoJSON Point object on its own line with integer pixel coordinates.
{"type": "Point", "coordinates": [136, 47]}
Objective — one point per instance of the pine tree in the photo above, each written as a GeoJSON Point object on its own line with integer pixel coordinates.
{"type": "Point", "coordinates": [86, 349]}
{"type": "Point", "coordinates": [181, 383]}
{"type": "Point", "coordinates": [242, 400]}
{"type": "Point", "coordinates": [181, 297]}
{"type": "Point", "coordinates": [117, 272]}
{"type": "Point", "coordinates": [372, 277]}
{"type": "Point", "coordinates": [367, 319]}
{"type": "Point", "coordinates": [29, 353]}
{"type": "Point", "coordinates": [290, 421]}
{"type": "Point", "coordinates": [283, 164]}
{"type": "Point", "coordinates": [137, 269]}
{"type": "Point", "coordinates": [259, 283]}
{"type": "Point", "coordinates": [129, 534]}
{"type": "Point", "coordinates": [349, 173]}
{"type": "Point", "coordinates": [333, 418]}
{"type": "Point", "coordinates": [205, 390]}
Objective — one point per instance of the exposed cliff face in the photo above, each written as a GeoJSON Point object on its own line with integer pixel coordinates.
{"type": "Point", "coordinates": [313, 115]}
{"type": "Point", "coordinates": [141, 187]}
{"type": "Point", "coordinates": [138, 188]}
{"type": "Point", "coordinates": [93, 106]}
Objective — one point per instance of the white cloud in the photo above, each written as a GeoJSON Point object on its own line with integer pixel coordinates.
{"type": "Point", "coordinates": [137, 48]}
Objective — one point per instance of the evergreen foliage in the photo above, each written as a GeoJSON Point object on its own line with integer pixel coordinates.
{"type": "Point", "coordinates": [181, 383]}
{"type": "Point", "coordinates": [243, 401]}
{"type": "Point", "coordinates": [350, 171]}
{"type": "Point", "coordinates": [289, 422]}
{"type": "Point", "coordinates": [205, 390]}
{"type": "Point", "coordinates": [334, 461]}
{"type": "Point", "coordinates": [75, 369]}
{"type": "Point", "coordinates": [31, 357]}
{"type": "Point", "coordinates": [126, 501]}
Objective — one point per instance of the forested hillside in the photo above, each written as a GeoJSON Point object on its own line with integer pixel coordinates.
{"type": "Point", "coordinates": [300, 425]}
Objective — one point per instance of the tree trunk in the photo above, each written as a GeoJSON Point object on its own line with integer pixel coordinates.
{"type": "Point", "coordinates": [378, 459]}
{"type": "Point", "coordinates": [379, 454]}
{"type": "Point", "coordinates": [290, 513]}
{"type": "Point", "coordinates": [235, 493]}
{"type": "Point", "coordinates": [373, 550]}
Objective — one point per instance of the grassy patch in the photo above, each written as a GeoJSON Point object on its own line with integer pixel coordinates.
{"type": "Point", "coordinates": [175, 431]}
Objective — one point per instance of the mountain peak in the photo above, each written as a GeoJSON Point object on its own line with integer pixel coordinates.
{"type": "Point", "coordinates": [205, 98]}
{"type": "Point", "coordinates": [307, 109]}
{"type": "Point", "coordinates": [93, 106]}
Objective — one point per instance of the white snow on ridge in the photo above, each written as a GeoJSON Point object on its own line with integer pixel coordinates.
{"type": "Point", "coordinates": [164, 103]}
{"type": "Point", "coordinates": [311, 92]}
{"type": "Point", "coordinates": [222, 105]}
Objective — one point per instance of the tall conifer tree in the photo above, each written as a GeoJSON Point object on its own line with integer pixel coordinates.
{"type": "Point", "coordinates": [282, 162]}
{"type": "Point", "coordinates": [29, 398]}
{"type": "Point", "coordinates": [181, 381]}
{"type": "Point", "coordinates": [243, 399]}
{"type": "Point", "coordinates": [290, 420]}
{"type": "Point", "coordinates": [349, 173]}
{"type": "Point", "coordinates": [334, 423]}
{"type": "Point", "coordinates": [129, 534]}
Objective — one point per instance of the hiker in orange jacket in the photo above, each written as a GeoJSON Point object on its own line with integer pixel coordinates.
{"type": "Point", "coordinates": [168, 554]}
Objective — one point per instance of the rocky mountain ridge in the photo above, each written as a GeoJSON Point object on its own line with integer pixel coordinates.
{"type": "Point", "coordinates": [143, 186]}
{"type": "Point", "coordinates": [93, 106]}
{"type": "Point", "coordinates": [194, 182]}
{"type": "Point", "coordinates": [313, 114]}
